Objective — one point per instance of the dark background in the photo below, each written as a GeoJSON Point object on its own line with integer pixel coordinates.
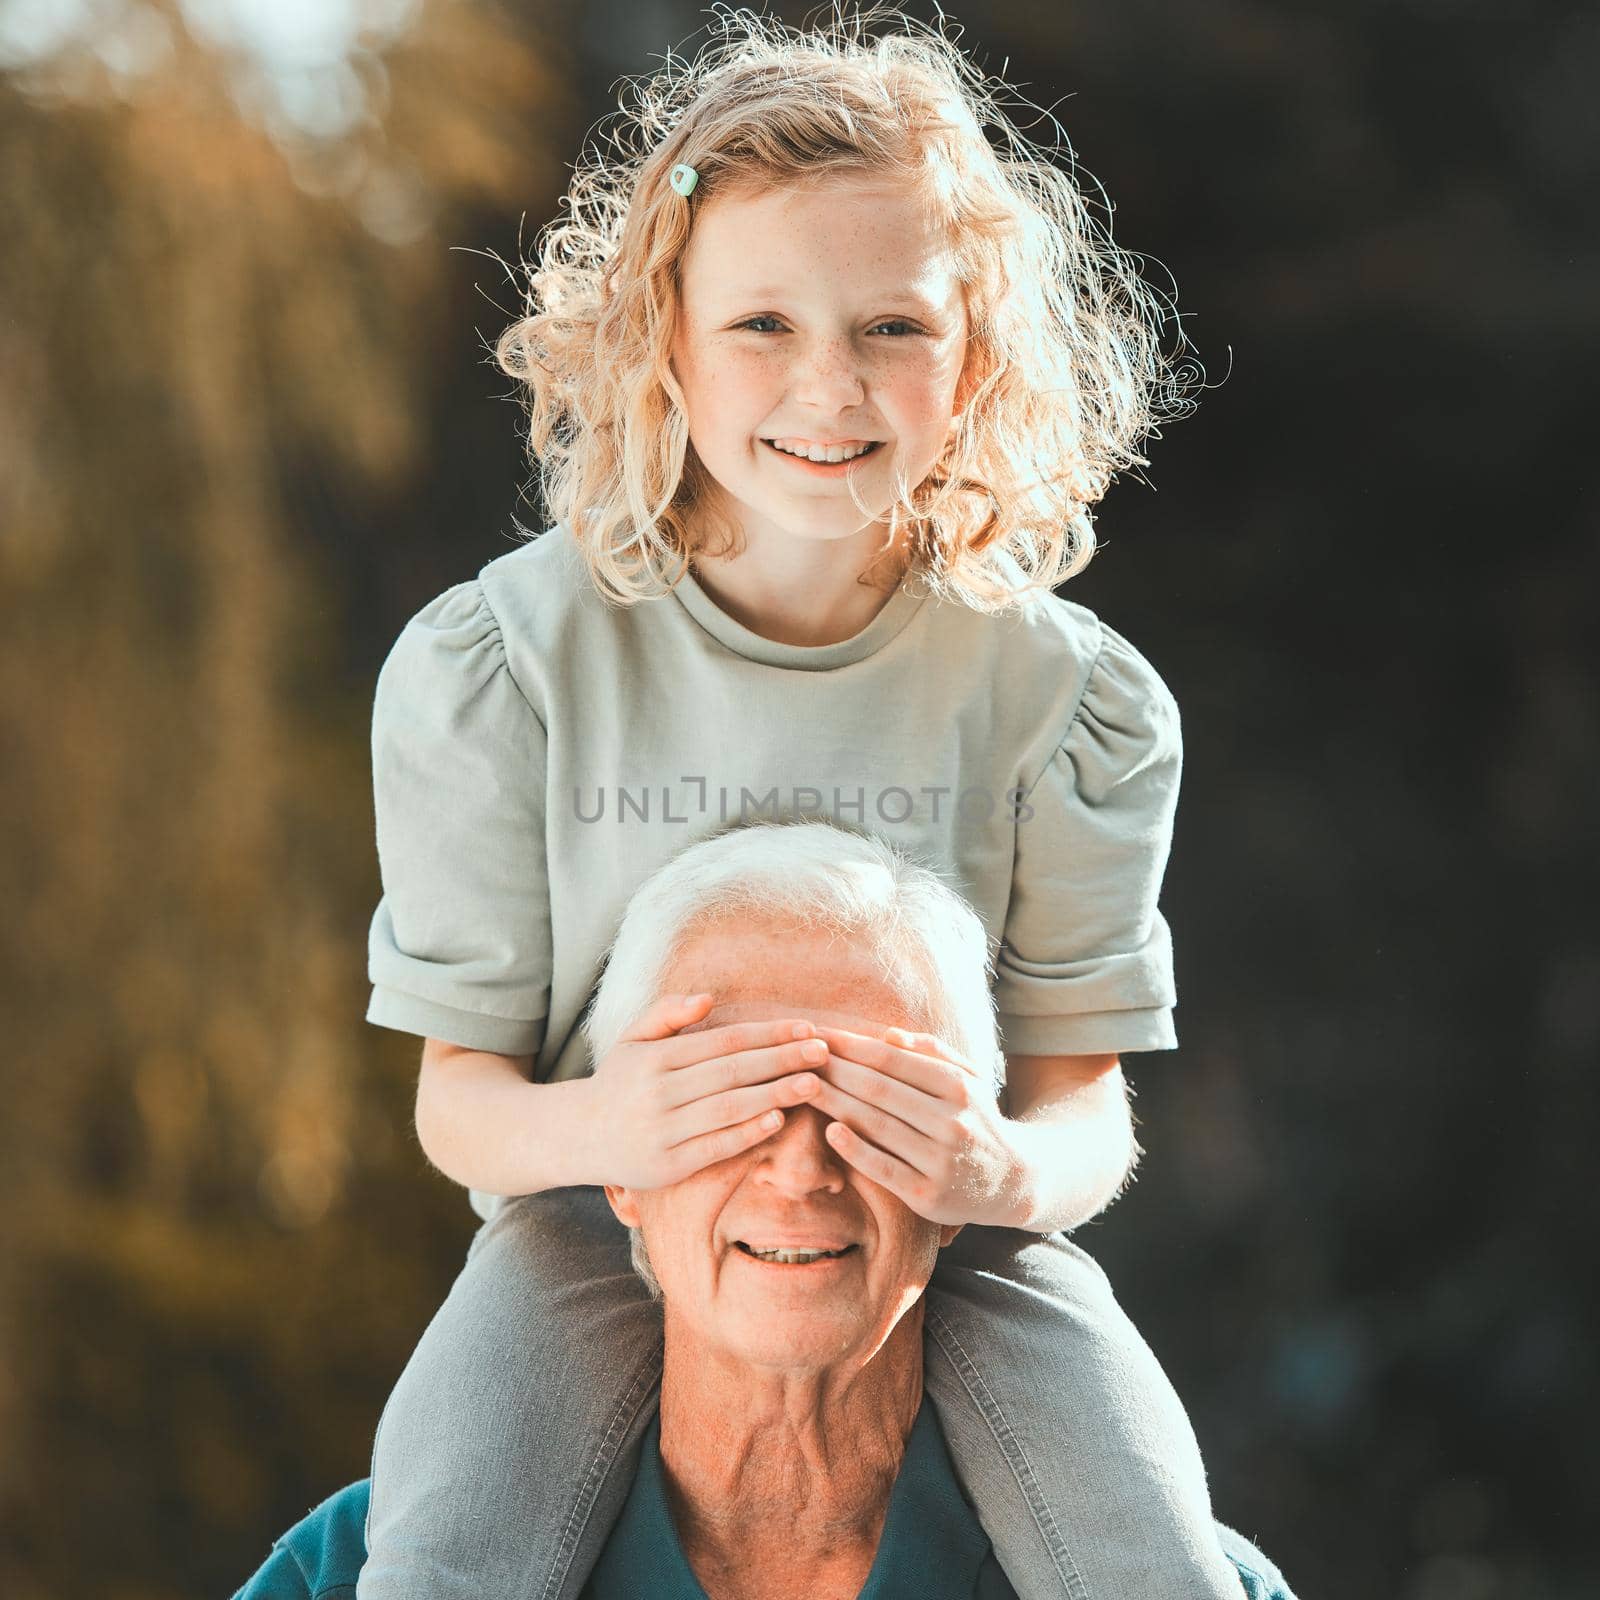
{"type": "Point", "coordinates": [246, 428]}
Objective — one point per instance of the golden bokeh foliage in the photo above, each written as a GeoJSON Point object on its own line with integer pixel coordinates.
{"type": "Point", "coordinates": [196, 290]}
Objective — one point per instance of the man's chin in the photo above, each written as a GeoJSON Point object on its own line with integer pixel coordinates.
{"type": "Point", "coordinates": [789, 1331]}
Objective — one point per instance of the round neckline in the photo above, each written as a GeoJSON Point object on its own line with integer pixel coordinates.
{"type": "Point", "coordinates": [896, 612]}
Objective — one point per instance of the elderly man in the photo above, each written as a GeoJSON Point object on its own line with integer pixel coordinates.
{"type": "Point", "coordinates": [794, 1455]}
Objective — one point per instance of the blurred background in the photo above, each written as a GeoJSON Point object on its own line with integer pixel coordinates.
{"type": "Point", "coordinates": [247, 428]}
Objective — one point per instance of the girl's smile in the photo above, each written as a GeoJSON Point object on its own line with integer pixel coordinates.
{"type": "Point", "coordinates": [824, 458]}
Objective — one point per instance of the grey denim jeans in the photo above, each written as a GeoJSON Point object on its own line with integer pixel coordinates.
{"type": "Point", "coordinates": [507, 1449]}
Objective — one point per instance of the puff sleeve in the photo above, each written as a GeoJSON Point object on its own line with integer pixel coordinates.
{"type": "Point", "coordinates": [459, 948]}
{"type": "Point", "coordinates": [1085, 963]}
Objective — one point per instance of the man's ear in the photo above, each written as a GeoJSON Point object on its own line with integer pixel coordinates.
{"type": "Point", "coordinates": [623, 1204]}
{"type": "Point", "coordinates": [948, 1231]}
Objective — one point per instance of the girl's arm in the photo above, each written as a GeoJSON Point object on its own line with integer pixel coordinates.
{"type": "Point", "coordinates": [1071, 1135]}
{"type": "Point", "coordinates": [661, 1105]}
{"type": "Point", "coordinates": [483, 1123]}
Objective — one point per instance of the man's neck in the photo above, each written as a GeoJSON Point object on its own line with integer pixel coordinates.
{"type": "Point", "coordinates": [784, 1473]}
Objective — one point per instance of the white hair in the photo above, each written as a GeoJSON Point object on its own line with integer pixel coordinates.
{"type": "Point", "coordinates": [928, 943]}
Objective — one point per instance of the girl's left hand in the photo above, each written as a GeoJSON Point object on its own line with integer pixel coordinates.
{"type": "Point", "coordinates": [915, 1118]}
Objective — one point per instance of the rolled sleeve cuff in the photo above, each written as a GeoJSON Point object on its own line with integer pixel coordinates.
{"type": "Point", "coordinates": [473, 1030]}
{"type": "Point", "coordinates": [1089, 1033]}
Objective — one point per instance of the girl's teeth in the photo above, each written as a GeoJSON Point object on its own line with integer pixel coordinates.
{"type": "Point", "coordinates": [820, 453]}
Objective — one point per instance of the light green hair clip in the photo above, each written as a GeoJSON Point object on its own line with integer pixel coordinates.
{"type": "Point", "coordinates": [683, 178]}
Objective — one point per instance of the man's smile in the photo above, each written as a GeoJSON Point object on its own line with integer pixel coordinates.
{"type": "Point", "coordinates": [793, 1255]}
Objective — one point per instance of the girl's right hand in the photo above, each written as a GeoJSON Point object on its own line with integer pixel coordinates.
{"type": "Point", "coordinates": [675, 1103]}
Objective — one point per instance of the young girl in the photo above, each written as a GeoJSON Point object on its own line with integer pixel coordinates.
{"type": "Point", "coordinates": [823, 387]}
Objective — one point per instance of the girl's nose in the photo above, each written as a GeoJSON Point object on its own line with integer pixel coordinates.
{"type": "Point", "coordinates": [828, 378]}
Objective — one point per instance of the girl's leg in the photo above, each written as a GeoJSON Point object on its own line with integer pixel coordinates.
{"type": "Point", "coordinates": [1074, 1447]}
{"type": "Point", "coordinates": [508, 1447]}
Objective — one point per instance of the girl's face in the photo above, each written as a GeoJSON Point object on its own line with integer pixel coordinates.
{"type": "Point", "coordinates": [821, 321]}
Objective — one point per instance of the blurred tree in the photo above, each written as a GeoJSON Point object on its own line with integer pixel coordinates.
{"type": "Point", "coordinates": [221, 239]}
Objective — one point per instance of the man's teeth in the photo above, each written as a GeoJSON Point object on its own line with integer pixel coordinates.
{"type": "Point", "coordinates": [791, 1257]}
{"type": "Point", "coordinates": [819, 452]}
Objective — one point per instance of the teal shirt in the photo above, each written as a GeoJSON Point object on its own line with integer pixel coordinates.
{"type": "Point", "coordinates": [933, 1547]}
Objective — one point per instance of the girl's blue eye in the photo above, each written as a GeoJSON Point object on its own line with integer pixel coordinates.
{"type": "Point", "coordinates": [899, 323]}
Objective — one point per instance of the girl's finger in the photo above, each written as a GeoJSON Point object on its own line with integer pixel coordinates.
{"type": "Point", "coordinates": [662, 1018]}
{"type": "Point", "coordinates": [732, 1107]}
{"type": "Point", "coordinates": [694, 1154]}
{"type": "Point", "coordinates": [888, 1133]}
{"type": "Point", "coordinates": [685, 1085]}
{"type": "Point", "coordinates": [884, 1170]}
{"type": "Point", "coordinates": [921, 1071]}
{"type": "Point", "coordinates": [731, 1039]}
{"type": "Point", "coordinates": [926, 1044]}
{"type": "Point", "coordinates": [924, 1112]}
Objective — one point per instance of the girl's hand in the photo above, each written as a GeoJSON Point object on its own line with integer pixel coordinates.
{"type": "Point", "coordinates": [914, 1118]}
{"type": "Point", "coordinates": [674, 1103]}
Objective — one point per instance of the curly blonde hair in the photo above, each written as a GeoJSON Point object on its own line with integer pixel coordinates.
{"type": "Point", "coordinates": [1065, 378]}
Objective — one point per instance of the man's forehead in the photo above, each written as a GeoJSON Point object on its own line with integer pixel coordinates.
{"type": "Point", "coordinates": [765, 1010]}
{"type": "Point", "coordinates": [760, 967]}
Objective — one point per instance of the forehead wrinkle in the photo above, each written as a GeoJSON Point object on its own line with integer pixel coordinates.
{"type": "Point", "coordinates": [861, 1000]}
{"type": "Point", "coordinates": [860, 1007]}
{"type": "Point", "coordinates": [760, 1010]}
